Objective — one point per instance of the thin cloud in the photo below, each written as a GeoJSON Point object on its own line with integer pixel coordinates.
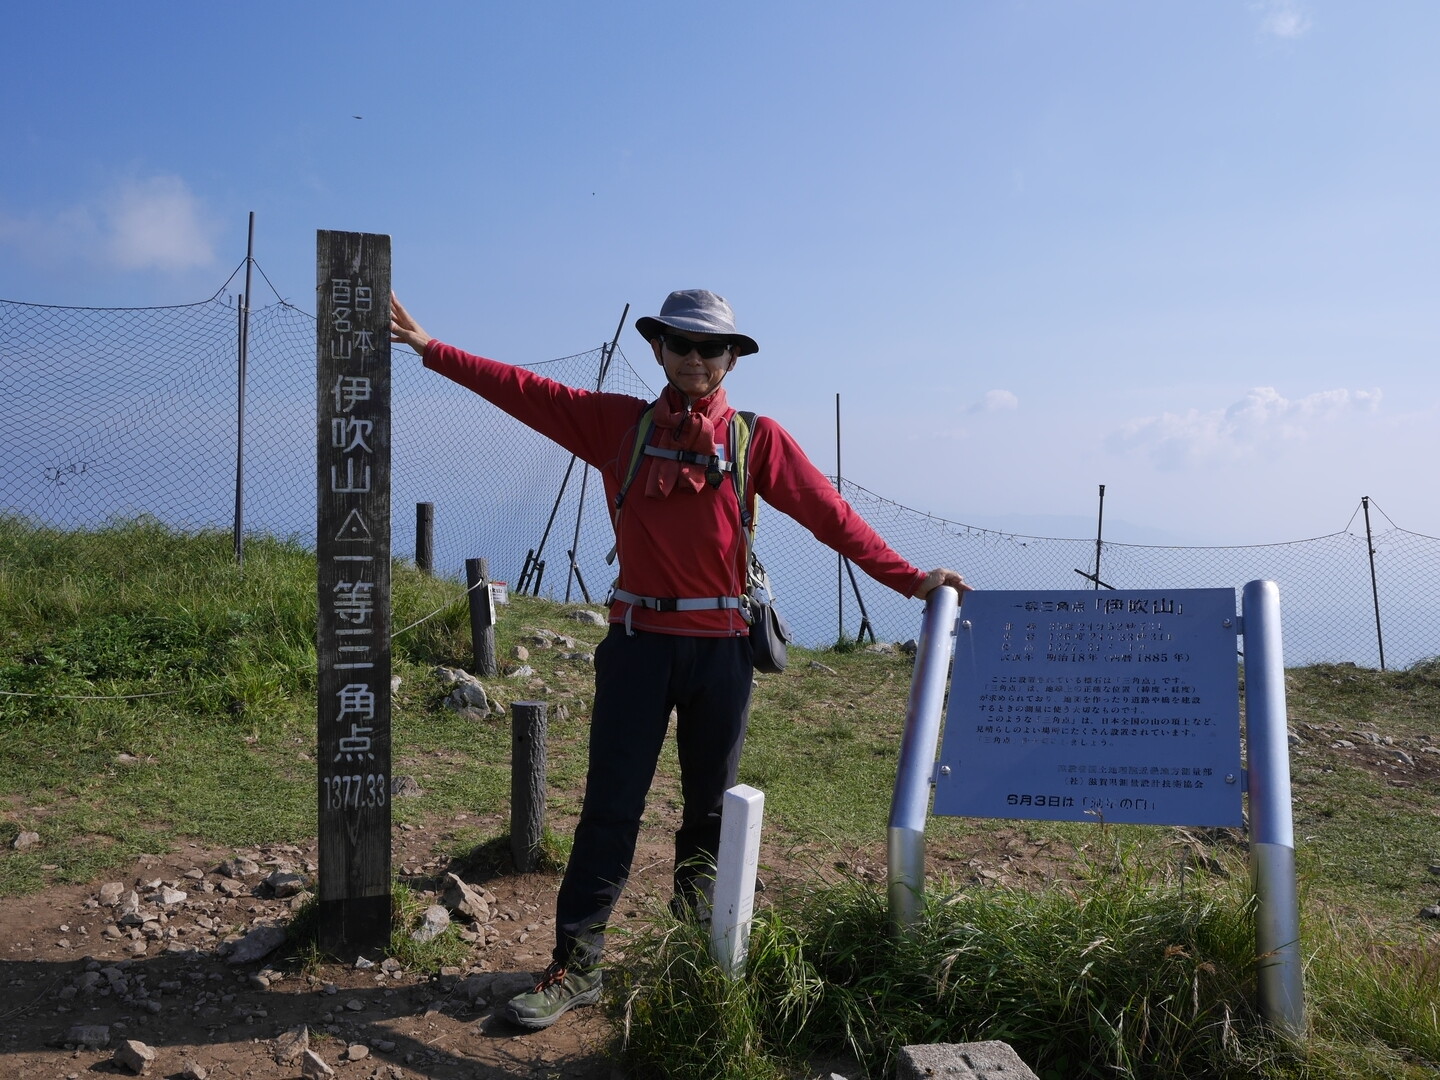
{"type": "Point", "coordinates": [1263, 417]}
{"type": "Point", "coordinates": [1283, 18]}
{"type": "Point", "coordinates": [157, 224]}
{"type": "Point", "coordinates": [996, 401]}
{"type": "Point", "coordinates": [154, 223]}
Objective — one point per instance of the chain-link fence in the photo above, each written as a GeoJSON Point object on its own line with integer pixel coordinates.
{"type": "Point", "coordinates": [110, 413]}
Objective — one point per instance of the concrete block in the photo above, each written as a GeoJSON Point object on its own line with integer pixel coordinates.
{"type": "Point", "coordinates": [991, 1060]}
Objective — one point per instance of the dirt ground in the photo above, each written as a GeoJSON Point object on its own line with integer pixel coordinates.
{"type": "Point", "coordinates": [170, 987]}
{"type": "Point", "coordinates": [71, 958]}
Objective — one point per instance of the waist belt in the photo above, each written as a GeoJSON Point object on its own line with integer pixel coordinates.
{"type": "Point", "coordinates": [672, 603]}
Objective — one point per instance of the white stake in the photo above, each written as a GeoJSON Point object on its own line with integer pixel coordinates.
{"type": "Point", "coordinates": [737, 860]}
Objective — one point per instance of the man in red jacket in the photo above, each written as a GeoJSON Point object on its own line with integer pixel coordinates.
{"type": "Point", "coordinates": [678, 634]}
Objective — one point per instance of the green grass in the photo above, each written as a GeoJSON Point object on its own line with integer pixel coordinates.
{"type": "Point", "coordinates": [152, 692]}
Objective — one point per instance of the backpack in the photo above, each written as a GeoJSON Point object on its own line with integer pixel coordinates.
{"type": "Point", "coordinates": [769, 632]}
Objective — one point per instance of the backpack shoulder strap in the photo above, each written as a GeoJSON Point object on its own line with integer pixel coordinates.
{"type": "Point", "coordinates": [643, 427]}
{"type": "Point", "coordinates": [742, 429]}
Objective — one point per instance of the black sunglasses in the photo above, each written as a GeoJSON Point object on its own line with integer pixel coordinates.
{"type": "Point", "coordinates": [708, 350]}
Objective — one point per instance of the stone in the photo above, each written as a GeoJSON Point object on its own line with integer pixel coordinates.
{"type": "Point", "coordinates": [1431, 912]}
{"type": "Point", "coordinates": [434, 923]}
{"type": "Point", "coordinates": [313, 1067]}
{"type": "Point", "coordinates": [468, 694]}
{"type": "Point", "coordinates": [25, 840]}
{"type": "Point", "coordinates": [524, 671]}
{"type": "Point", "coordinates": [287, 1048]}
{"type": "Point", "coordinates": [192, 1070]}
{"type": "Point", "coordinates": [357, 1052]}
{"type": "Point", "coordinates": [494, 986]}
{"type": "Point", "coordinates": [990, 1060]}
{"type": "Point", "coordinates": [283, 884]}
{"type": "Point", "coordinates": [520, 652]}
{"type": "Point", "coordinates": [88, 1036]}
{"type": "Point", "coordinates": [239, 867]}
{"type": "Point", "coordinates": [465, 899]}
{"type": "Point", "coordinates": [169, 897]}
{"type": "Point", "coordinates": [816, 665]}
{"type": "Point", "coordinates": [259, 942]}
{"type": "Point", "coordinates": [111, 893]}
{"type": "Point", "coordinates": [405, 787]}
{"type": "Point", "coordinates": [587, 617]}
{"type": "Point", "coordinates": [134, 1055]}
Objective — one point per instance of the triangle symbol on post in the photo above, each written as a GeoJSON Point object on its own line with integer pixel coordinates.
{"type": "Point", "coordinates": [353, 527]}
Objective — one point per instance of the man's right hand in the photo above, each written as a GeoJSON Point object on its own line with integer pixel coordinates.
{"type": "Point", "coordinates": [404, 329]}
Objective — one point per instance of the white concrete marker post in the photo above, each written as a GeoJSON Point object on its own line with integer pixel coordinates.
{"type": "Point", "coordinates": [736, 863]}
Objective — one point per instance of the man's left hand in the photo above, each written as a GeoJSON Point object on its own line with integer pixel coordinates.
{"type": "Point", "coordinates": [941, 576]}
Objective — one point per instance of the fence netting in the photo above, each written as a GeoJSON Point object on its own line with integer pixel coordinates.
{"type": "Point", "coordinates": [113, 413]}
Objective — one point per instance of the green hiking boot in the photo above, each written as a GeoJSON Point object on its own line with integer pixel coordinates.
{"type": "Point", "coordinates": [558, 991]}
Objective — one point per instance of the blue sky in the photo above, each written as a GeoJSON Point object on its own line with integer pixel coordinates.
{"type": "Point", "coordinates": [1187, 250]}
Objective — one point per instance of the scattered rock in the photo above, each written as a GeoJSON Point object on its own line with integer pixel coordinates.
{"type": "Point", "coordinates": [524, 671]}
{"type": "Point", "coordinates": [111, 893]}
{"type": "Point", "coordinates": [238, 867]}
{"type": "Point", "coordinates": [282, 884]}
{"type": "Point", "coordinates": [25, 841]}
{"type": "Point", "coordinates": [313, 1067]}
{"type": "Point", "coordinates": [465, 899]}
{"type": "Point", "coordinates": [134, 1055]}
{"type": "Point", "coordinates": [519, 652]}
{"type": "Point", "coordinates": [578, 657]}
{"type": "Point", "coordinates": [589, 617]}
{"type": "Point", "coordinates": [818, 666]}
{"type": "Point", "coordinates": [1431, 912]}
{"type": "Point", "coordinates": [881, 648]}
{"type": "Point", "coordinates": [494, 986]}
{"type": "Point", "coordinates": [405, 787]}
{"type": "Point", "coordinates": [169, 897]}
{"type": "Point", "coordinates": [86, 1036]}
{"type": "Point", "coordinates": [288, 1047]}
{"type": "Point", "coordinates": [435, 922]}
{"type": "Point", "coordinates": [357, 1052]}
{"type": "Point", "coordinates": [259, 942]}
{"type": "Point", "coordinates": [191, 1070]}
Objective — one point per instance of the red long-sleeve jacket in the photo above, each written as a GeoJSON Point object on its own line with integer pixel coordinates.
{"type": "Point", "coordinates": [689, 544]}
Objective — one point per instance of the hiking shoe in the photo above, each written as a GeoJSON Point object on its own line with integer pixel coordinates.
{"type": "Point", "coordinates": [558, 991]}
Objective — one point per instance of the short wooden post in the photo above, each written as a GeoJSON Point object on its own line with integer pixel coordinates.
{"type": "Point", "coordinates": [353, 563]}
{"type": "Point", "coordinates": [527, 782]}
{"type": "Point", "coordinates": [425, 537]}
{"type": "Point", "coordinates": [482, 615]}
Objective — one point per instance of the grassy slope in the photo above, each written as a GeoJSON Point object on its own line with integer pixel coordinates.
{"type": "Point", "coordinates": [226, 760]}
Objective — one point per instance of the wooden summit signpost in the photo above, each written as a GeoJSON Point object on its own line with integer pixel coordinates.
{"type": "Point", "coordinates": [352, 388]}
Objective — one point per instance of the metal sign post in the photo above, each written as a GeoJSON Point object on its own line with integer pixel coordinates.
{"type": "Point", "coordinates": [1111, 707]}
{"type": "Point", "coordinates": [353, 568]}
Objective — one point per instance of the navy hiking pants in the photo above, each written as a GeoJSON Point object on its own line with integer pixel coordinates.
{"type": "Point", "coordinates": [639, 678]}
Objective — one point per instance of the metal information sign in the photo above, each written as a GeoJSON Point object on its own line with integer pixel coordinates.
{"type": "Point", "coordinates": [1119, 706]}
